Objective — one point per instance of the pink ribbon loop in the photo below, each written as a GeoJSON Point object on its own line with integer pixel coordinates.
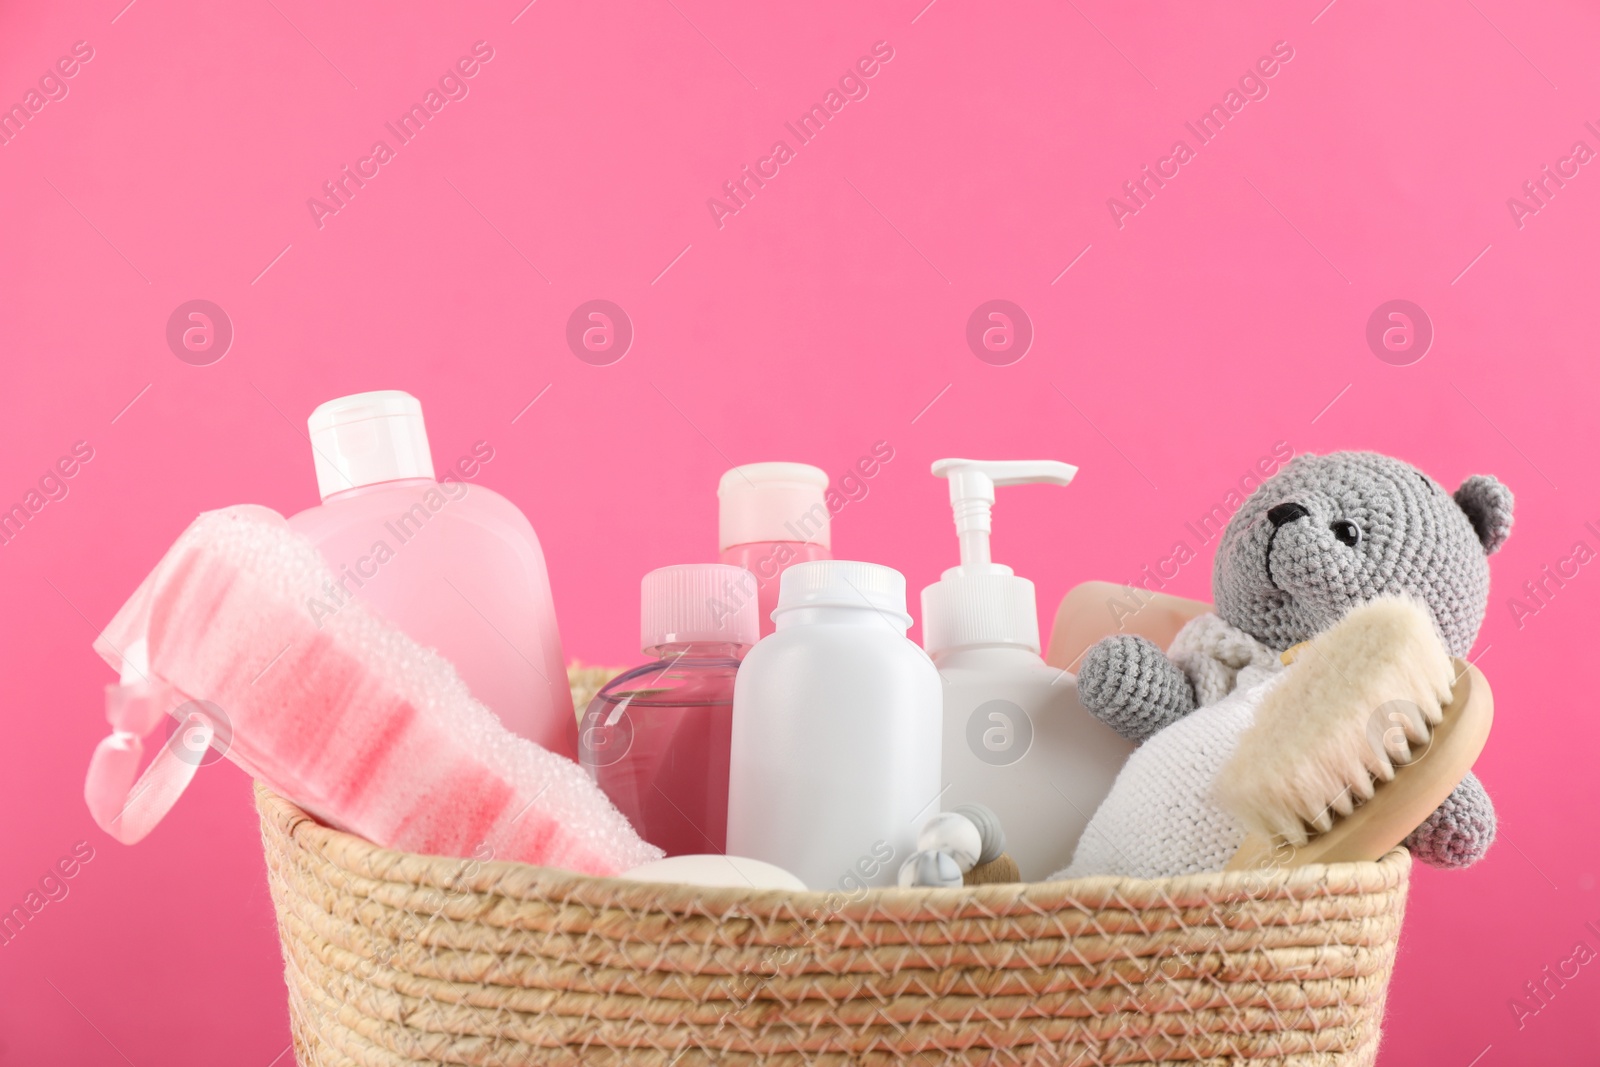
{"type": "Point", "coordinates": [124, 803]}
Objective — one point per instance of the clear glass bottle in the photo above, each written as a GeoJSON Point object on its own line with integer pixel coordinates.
{"type": "Point", "coordinates": [657, 737]}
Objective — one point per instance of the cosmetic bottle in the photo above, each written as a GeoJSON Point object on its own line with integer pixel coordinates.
{"type": "Point", "coordinates": [451, 563]}
{"type": "Point", "coordinates": [1016, 738]}
{"type": "Point", "coordinates": [770, 517]}
{"type": "Point", "coordinates": [836, 720]}
{"type": "Point", "coordinates": [656, 738]}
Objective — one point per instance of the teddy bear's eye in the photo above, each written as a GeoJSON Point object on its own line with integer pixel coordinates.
{"type": "Point", "coordinates": [1347, 532]}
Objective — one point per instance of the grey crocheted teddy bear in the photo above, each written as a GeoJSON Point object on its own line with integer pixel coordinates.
{"type": "Point", "coordinates": [1322, 535]}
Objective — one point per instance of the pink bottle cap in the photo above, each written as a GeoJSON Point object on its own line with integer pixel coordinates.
{"type": "Point", "coordinates": [698, 603]}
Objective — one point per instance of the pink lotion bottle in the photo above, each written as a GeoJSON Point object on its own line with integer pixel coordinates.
{"type": "Point", "coordinates": [657, 738]}
{"type": "Point", "coordinates": [454, 565]}
{"type": "Point", "coordinates": [770, 517]}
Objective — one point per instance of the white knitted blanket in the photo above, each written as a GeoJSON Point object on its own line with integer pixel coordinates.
{"type": "Point", "coordinates": [1160, 818]}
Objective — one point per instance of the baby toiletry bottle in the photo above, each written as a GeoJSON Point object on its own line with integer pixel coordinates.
{"type": "Point", "coordinates": [455, 566]}
{"type": "Point", "coordinates": [656, 738]}
{"type": "Point", "coordinates": [835, 760]}
{"type": "Point", "coordinates": [1016, 737]}
{"type": "Point", "coordinates": [770, 517]}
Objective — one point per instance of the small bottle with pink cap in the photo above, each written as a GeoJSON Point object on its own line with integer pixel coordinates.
{"type": "Point", "coordinates": [770, 517]}
{"type": "Point", "coordinates": [657, 738]}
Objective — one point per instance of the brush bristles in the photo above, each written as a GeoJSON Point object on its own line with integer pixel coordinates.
{"type": "Point", "coordinates": [1355, 706]}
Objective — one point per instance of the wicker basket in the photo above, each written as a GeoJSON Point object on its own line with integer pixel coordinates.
{"type": "Point", "coordinates": [393, 958]}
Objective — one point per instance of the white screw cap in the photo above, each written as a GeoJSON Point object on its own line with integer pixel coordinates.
{"type": "Point", "coordinates": [697, 603]}
{"type": "Point", "coordinates": [840, 583]}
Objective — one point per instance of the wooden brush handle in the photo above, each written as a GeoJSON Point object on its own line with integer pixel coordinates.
{"type": "Point", "coordinates": [1401, 804]}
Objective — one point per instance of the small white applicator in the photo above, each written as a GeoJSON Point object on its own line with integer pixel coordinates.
{"type": "Point", "coordinates": [1371, 728]}
{"type": "Point", "coordinates": [965, 846]}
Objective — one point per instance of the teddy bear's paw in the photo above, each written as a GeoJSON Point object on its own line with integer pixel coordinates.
{"type": "Point", "coordinates": [1459, 831]}
{"type": "Point", "coordinates": [1130, 685]}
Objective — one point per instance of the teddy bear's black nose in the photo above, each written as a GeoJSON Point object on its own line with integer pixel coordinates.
{"type": "Point", "coordinates": [1282, 513]}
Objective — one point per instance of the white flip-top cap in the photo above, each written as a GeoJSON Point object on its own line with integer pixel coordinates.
{"type": "Point", "coordinates": [982, 602]}
{"type": "Point", "coordinates": [842, 583]}
{"type": "Point", "coordinates": [368, 438]}
{"type": "Point", "coordinates": [772, 502]}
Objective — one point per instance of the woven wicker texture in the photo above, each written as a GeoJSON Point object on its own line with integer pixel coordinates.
{"type": "Point", "coordinates": [393, 958]}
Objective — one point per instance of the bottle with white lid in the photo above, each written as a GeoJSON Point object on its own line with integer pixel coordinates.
{"type": "Point", "coordinates": [449, 562]}
{"type": "Point", "coordinates": [1016, 737]}
{"type": "Point", "coordinates": [656, 738]}
{"type": "Point", "coordinates": [836, 726]}
{"type": "Point", "coordinates": [771, 516]}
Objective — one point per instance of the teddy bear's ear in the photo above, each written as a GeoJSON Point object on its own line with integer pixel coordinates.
{"type": "Point", "coordinates": [1487, 503]}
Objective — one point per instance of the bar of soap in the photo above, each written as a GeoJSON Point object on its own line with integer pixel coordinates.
{"type": "Point", "coordinates": [728, 872]}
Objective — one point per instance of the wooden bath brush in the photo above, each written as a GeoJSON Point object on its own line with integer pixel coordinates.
{"type": "Point", "coordinates": [1370, 730]}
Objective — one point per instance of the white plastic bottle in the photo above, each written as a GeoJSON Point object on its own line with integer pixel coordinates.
{"type": "Point", "coordinates": [1016, 737]}
{"type": "Point", "coordinates": [836, 727]}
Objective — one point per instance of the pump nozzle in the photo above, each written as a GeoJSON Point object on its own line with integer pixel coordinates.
{"type": "Point", "coordinates": [972, 485]}
{"type": "Point", "coordinates": [982, 602]}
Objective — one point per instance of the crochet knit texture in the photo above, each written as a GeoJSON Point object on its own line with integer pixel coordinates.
{"type": "Point", "coordinates": [1160, 818]}
{"type": "Point", "coordinates": [1323, 535]}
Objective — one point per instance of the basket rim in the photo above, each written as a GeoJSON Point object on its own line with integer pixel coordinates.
{"type": "Point", "coordinates": [526, 882]}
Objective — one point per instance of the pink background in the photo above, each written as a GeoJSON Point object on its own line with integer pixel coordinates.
{"type": "Point", "coordinates": [1227, 315]}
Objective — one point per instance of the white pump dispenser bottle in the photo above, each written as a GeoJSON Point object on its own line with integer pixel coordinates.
{"type": "Point", "coordinates": [1016, 737]}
